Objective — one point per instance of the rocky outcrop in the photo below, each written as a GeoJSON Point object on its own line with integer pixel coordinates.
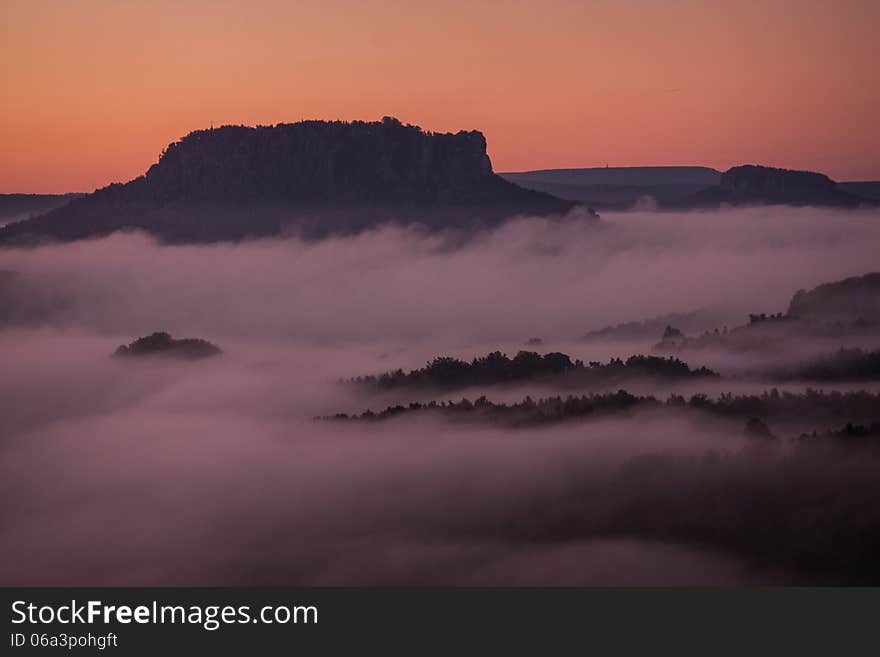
{"type": "Point", "coordinates": [313, 177]}
{"type": "Point", "coordinates": [751, 181]}
{"type": "Point", "coordinates": [757, 185]}
{"type": "Point", "coordinates": [320, 160]}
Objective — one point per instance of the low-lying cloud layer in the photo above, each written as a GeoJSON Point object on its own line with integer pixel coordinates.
{"type": "Point", "coordinates": [169, 472]}
{"type": "Point", "coordinates": [530, 277]}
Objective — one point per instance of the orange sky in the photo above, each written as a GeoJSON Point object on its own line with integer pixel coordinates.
{"type": "Point", "coordinates": [94, 89]}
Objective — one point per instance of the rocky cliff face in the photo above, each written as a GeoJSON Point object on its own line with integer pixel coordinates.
{"type": "Point", "coordinates": [381, 161]}
{"type": "Point", "coordinates": [313, 177]}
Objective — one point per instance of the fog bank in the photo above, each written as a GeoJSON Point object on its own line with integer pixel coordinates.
{"type": "Point", "coordinates": [159, 471]}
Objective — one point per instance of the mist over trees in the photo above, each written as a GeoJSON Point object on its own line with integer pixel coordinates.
{"type": "Point", "coordinates": [623, 468]}
{"type": "Point", "coordinates": [849, 308]}
{"type": "Point", "coordinates": [816, 407]}
{"type": "Point", "coordinates": [855, 298]}
{"type": "Point", "coordinates": [843, 365]}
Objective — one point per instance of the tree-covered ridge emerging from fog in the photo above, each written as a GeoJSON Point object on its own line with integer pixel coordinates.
{"type": "Point", "coordinates": [161, 343]}
{"type": "Point", "coordinates": [843, 365]}
{"type": "Point", "coordinates": [447, 373]}
{"type": "Point", "coordinates": [815, 406]}
{"type": "Point", "coordinates": [848, 308]}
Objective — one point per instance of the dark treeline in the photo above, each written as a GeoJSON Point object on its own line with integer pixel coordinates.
{"type": "Point", "coordinates": [766, 333]}
{"type": "Point", "coordinates": [694, 322]}
{"type": "Point", "coordinates": [809, 507]}
{"type": "Point", "coordinates": [844, 365]}
{"type": "Point", "coordinates": [847, 435]}
{"type": "Point", "coordinates": [829, 408]}
{"type": "Point", "coordinates": [448, 373]}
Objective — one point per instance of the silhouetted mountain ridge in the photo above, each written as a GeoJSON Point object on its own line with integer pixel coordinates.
{"type": "Point", "coordinates": [685, 188]}
{"type": "Point", "coordinates": [752, 184]}
{"type": "Point", "coordinates": [314, 177]}
{"type": "Point", "coordinates": [15, 207]}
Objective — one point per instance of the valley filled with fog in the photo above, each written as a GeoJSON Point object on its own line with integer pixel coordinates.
{"type": "Point", "coordinates": [235, 469]}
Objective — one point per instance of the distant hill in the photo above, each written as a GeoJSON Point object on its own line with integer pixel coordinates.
{"type": "Point", "coordinates": [618, 187]}
{"type": "Point", "coordinates": [313, 177]}
{"type": "Point", "coordinates": [851, 299]}
{"type": "Point", "coordinates": [638, 176]}
{"type": "Point", "coordinates": [697, 321]}
{"type": "Point", "coordinates": [686, 188]}
{"type": "Point", "coordinates": [15, 207]}
{"type": "Point", "coordinates": [162, 344]}
{"type": "Point", "coordinates": [757, 185]}
{"type": "Point", "coordinates": [848, 309]}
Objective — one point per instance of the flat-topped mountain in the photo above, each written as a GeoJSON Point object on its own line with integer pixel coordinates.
{"type": "Point", "coordinates": [757, 185]}
{"type": "Point", "coordinates": [312, 177]}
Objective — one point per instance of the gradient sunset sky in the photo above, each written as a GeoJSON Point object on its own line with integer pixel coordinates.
{"type": "Point", "coordinates": [94, 89]}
